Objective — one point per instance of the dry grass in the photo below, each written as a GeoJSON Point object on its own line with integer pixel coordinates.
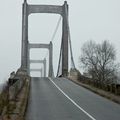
{"type": "Point", "coordinates": [3, 99]}
{"type": "Point", "coordinates": [15, 110]}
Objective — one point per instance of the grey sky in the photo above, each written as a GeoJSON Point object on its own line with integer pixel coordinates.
{"type": "Point", "coordinates": [89, 20]}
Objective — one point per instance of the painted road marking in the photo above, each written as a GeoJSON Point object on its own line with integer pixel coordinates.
{"type": "Point", "coordinates": [90, 116]}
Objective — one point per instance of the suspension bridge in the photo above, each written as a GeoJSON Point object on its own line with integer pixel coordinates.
{"type": "Point", "coordinates": [55, 97]}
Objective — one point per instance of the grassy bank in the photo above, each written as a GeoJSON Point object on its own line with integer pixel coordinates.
{"type": "Point", "coordinates": [16, 108]}
{"type": "Point", "coordinates": [3, 99]}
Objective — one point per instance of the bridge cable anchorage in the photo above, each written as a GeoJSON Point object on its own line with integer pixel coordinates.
{"type": "Point", "coordinates": [54, 33]}
{"type": "Point", "coordinates": [69, 37]}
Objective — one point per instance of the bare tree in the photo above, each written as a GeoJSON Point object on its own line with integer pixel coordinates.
{"type": "Point", "coordinates": [88, 58]}
{"type": "Point", "coordinates": [99, 61]}
{"type": "Point", "coordinates": [105, 54]}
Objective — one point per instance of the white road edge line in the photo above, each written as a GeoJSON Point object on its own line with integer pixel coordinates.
{"type": "Point", "coordinates": [90, 116]}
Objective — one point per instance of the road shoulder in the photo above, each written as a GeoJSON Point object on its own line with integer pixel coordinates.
{"type": "Point", "coordinates": [98, 91]}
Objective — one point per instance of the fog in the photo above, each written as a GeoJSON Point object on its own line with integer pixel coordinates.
{"type": "Point", "coordinates": [89, 20]}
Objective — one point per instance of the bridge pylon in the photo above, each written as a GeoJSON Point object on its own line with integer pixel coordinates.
{"type": "Point", "coordinates": [43, 46]}
{"type": "Point", "coordinates": [38, 70]}
{"type": "Point", "coordinates": [52, 9]}
{"type": "Point", "coordinates": [41, 62]}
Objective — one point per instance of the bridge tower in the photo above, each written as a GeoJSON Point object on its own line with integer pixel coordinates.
{"type": "Point", "coordinates": [53, 9]}
{"type": "Point", "coordinates": [38, 70]}
{"type": "Point", "coordinates": [43, 46]}
{"type": "Point", "coordinates": [39, 61]}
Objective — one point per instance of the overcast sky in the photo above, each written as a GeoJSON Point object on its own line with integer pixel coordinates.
{"type": "Point", "coordinates": [96, 20]}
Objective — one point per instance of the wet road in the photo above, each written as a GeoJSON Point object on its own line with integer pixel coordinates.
{"type": "Point", "coordinates": [61, 99]}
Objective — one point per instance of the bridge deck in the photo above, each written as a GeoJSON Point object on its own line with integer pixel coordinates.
{"type": "Point", "coordinates": [60, 99]}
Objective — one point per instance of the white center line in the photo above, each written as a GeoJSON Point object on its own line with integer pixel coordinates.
{"type": "Point", "coordinates": [90, 116]}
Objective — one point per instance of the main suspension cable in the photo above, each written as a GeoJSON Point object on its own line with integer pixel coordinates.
{"type": "Point", "coordinates": [54, 33]}
{"type": "Point", "coordinates": [56, 29]}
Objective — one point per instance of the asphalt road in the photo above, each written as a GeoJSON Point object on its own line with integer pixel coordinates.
{"type": "Point", "coordinates": [61, 99]}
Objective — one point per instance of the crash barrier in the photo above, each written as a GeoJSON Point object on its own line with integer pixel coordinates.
{"type": "Point", "coordinates": [111, 87]}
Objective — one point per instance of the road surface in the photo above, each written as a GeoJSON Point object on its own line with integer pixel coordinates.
{"type": "Point", "coordinates": [61, 99]}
